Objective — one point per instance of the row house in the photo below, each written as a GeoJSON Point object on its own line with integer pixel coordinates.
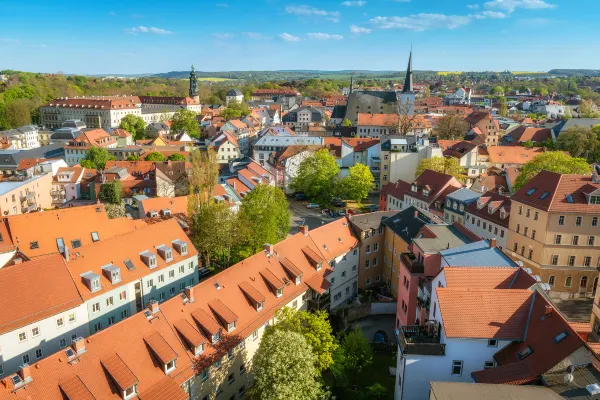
{"type": "Point", "coordinates": [457, 203]}
{"type": "Point", "coordinates": [71, 183]}
{"type": "Point", "coordinates": [24, 194]}
{"type": "Point", "coordinates": [488, 217]}
{"type": "Point", "coordinates": [76, 150]}
{"type": "Point", "coordinates": [553, 229]}
{"type": "Point", "coordinates": [429, 191]}
{"type": "Point", "coordinates": [241, 131]}
{"type": "Point", "coordinates": [487, 125]}
{"type": "Point", "coordinates": [199, 344]}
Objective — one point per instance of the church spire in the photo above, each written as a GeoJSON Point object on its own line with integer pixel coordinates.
{"type": "Point", "coordinates": [408, 80]}
{"type": "Point", "coordinates": [351, 82]}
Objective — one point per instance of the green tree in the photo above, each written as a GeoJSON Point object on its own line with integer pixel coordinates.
{"type": "Point", "coordinates": [451, 127]}
{"type": "Point", "coordinates": [265, 213]}
{"type": "Point", "coordinates": [317, 177]}
{"type": "Point", "coordinates": [96, 158]}
{"type": "Point", "coordinates": [176, 157]}
{"type": "Point", "coordinates": [497, 91]}
{"type": "Point", "coordinates": [355, 353]}
{"type": "Point", "coordinates": [17, 113]}
{"type": "Point", "coordinates": [111, 192]}
{"type": "Point", "coordinates": [133, 157]}
{"type": "Point", "coordinates": [445, 165]}
{"type": "Point", "coordinates": [579, 141]}
{"type": "Point", "coordinates": [316, 329]}
{"type": "Point", "coordinates": [235, 110]}
{"type": "Point", "coordinates": [135, 125]}
{"type": "Point", "coordinates": [503, 108]}
{"type": "Point", "coordinates": [185, 121]}
{"type": "Point", "coordinates": [555, 161]}
{"type": "Point", "coordinates": [346, 122]}
{"type": "Point", "coordinates": [284, 369]}
{"type": "Point", "coordinates": [155, 156]}
{"type": "Point", "coordinates": [528, 143]}
{"type": "Point", "coordinates": [587, 109]}
{"type": "Point", "coordinates": [357, 184]}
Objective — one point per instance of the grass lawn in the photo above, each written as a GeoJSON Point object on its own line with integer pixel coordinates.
{"type": "Point", "coordinates": [376, 372]}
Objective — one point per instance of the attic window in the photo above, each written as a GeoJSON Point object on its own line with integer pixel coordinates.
{"type": "Point", "coordinates": [279, 292]}
{"type": "Point", "coordinates": [129, 265]}
{"type": "Point", "coordinates": [34, 245]}
{"type": "Point", "coordinates": [148, 258]}
{"type": "Point", "coordinates": [560, 337]}
{"type": "Point", "coordinates": [217, 285]}
{"type": "Point", "coordinates": [95, 237]}
{"type": "Point", "coordinates": [112, 273]}
{"type": "Point", "coordinates": [531, 191]}
{"type": "Point", "coordinates": [546, 194]}
{"type": "Point", "coordinates": [76, 243]}
{"type": "Point", "coordinates": [60, 243]}
{"type": "Point", "coordinates": [130, 392]}
{"type": "Point", "coordinates": [594, 199]}
{"type": "Point", "coordinates": [259, 306]}
{"type": "Point", "coordinates": [524, 353]}
{"type": "Point", "coordinates": [180, 246]}
{"type": "Point", "coordinates": [165, 252]}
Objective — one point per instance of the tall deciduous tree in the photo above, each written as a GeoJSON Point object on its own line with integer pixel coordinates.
{"type": "Point", "coordinates": [316, 329]}
{"type": "Point", "coordinates": [587, 110]}
{"type": "Point", "coordinates": [346, 122]}
{"type": "Point", "coordinates": [135, 125]}
{"type": "Point", "coordinates": [176, 157]}
{"type": "Point", "coordinates": [96, 158]}
{"type": "Point", "coordinates": [284, 369]}
{"type": "Point", "coordinates": [579, 141]}
{"type": "Point", "coordinates": [503, 108]}
{"type": "Point", "coordinates": [555, 161]}
{"type": "Point", "coordinates": [445, 165]}
{"type": "Point", "coordinates": [264, 212]}
{"type": "Point", "coordinates": [185, 121]}
{"type": "Point", "coordinates": [353, 355]}
{"type": "Point", "coordinates": [18, 113]}
{"type": "Point", "coordinates": [317, 176]}
{"type": "Point", "coordinates": [357, 185]}
{"type": "Point", "coordinates": [451, 127]}
{"type": "Point", "coordinates": [155, 156]}
{"type": "Point", "coordinates": [111, 192]}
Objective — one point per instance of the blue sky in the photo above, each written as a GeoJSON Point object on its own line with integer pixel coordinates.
{"type": "Point", "coordinates": [141, 36]}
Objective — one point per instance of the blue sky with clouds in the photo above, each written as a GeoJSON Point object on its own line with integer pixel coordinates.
{"type": "Point", "coordinates": [140, 36]}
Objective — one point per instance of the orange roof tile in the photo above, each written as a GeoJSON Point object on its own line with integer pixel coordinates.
{"type": "Point", "coordinates": [75, 389]}
{"type": "Point", "coordinates": [207, 322]}
{"type": "Point", "coordinates": [162, 350]}
{"type": "Point", "coordinates": [254, 295]}
{"type": "Point", "coordinates": [484, 313]}
{"type": "Point", "coordinates": [368, 119]}
{"type": "Point", "coordinates": [164, 389]}
{"type": "Point", "coordinates": [334, 239]}
{"type": "Point", "coordinates": [177, 205]}
{"type": "Point", "coordinates": [270, 277]}
{"type": "Point", "coordinates": [222, 311]}
{"type": "Point", "coordinates": [191, 335]}
{"type": "Point", "coordinates": [513, 154]}
{"type": "Point", "coordinates": [318, 283]}
{"type": "Point", "coordinates": [119, 371]}
{"type": "Point", "coordinates": [35, 290]}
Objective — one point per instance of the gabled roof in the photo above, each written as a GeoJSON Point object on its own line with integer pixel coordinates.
{"type": "Point", "coordinates": [476, 254]}
{"type": "Point", "coordinates": [176, 205]}
{"type": "Point", "coordinates": [407, 223]}
{"type": "Point", "coordinates": [436, 183]}
{"type": "Point", "coordinates": [513, 154]}
{"type": "Point", "coordinates": [481, 208]}
{"type": "Point", "coordinates": [477, 313]}
{"type": "Point", "coordinates": [488, 278]}
{"type": "Point", "coordinates": [478, 116]}
{"type": "Point", "coordinates": [35, 290]}
{"type": "Point", "coordinates": [524, 134]}
{"type": "Point", "coordinates": [460, 149]}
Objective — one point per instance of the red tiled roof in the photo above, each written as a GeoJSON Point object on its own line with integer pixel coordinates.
{"type": "Point", "coordinates": [396, 189]}
{"type": "Point", "coordinates": [484, 313]}
{"type": "Point", "coordinates": [161, 348]}
{"type": "Point", "coordinates": [459, 150]}
{"type": "Point", "coordinates": [119, 371]}
{"type": "Point", "coordinates": [222, 311]}
{"type": "Point", "coordinates": [164, 389]}
{"type": "Point", "coordinates": [513, 154]}
{"type": "Point", "coordinates": [101, 103]}
{"type": "Point", "coordinates": [190, 333]}
{"type": "Point", "coordinates": [250, 291]}
{"type": "Point", "coordinates": [177, 205]}
{"type": "Point", "coordinates": [488, 278]}
{"type": "Point", "coordinates": [497, 201]}
{"type": "Point", "coordinates": [478, 116]}
{"type": "Point", "coordinates": [438, 183]}
{"type": "Point", "coordinates": [318, 283]}
{"type": "Point", "coordinates": [524, 134]}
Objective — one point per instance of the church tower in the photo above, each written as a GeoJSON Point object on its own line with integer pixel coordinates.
{"type": "Point", "coordinates": [406, 98]}
{"type": "Point", "coordinates": [194, 94]}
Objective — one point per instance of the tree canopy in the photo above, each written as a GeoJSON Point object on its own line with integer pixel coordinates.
{"type": "Point", "coordinates": [176, 157]}
{"type": "Point", "coordinates": [96, 158]}
{"type": "Point", "coordinates": [346, 122]}
{"type": "Point", "coordinates": [316, 329]}
{"type": "Point", "coordinates": [135, 125]}
{"type": "Point", "coordinates": [155, 156]}
{"type": "Point", "coordinates": [353, 354]}
{"type": "Point", "coordinates": [111, 192]}
{"type": "Point", "coordinates": [284, 369]}
{"type": "Point", "coordinates": [317, 176]}
{"type": "Point", "coordinates": [445, 165]}
{"type": "Point", "coordinates": [357, 184]}
{"type": "Point", "coordinates": [185, 121]}
{"type": "Point", "coordinates": [451, 127]}
{"type": "Point", "coordinates": [555, 161]}
{"type": "Point", "coordinates": [235, 110]}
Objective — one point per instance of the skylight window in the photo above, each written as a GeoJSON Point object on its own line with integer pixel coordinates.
{"type": "Point", "coordinates": [95, 237]}
{"type": "Point", "coordinates": [560, 337]}
{"type": "Point", "coordinates": [546, 194]}
{"type": "Point", "coordinates": [524, 353]}
{"type": "Point", "coordinates": [531, 191]}
{"type": "Point", "coordinates": [76, 243]}
{"type": "Point", "coordinates": [60, 243]}
{"type": "Point", "coordinates": [129, 265]}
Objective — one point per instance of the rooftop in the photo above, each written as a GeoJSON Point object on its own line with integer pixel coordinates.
{"type": "Point", "coordinates": [477, 391]}
{"type": "Point", "coordinates": [407, 223]}
{"type": "Point", "coordinates": [442, 237]}
{"type": "Point", "coordinates": [9, 186]}
{"type": "Point", "coordinates": [476, 254]}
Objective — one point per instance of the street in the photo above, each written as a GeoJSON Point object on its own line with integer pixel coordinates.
{"type": "Point", "coordinates": [304, 216]}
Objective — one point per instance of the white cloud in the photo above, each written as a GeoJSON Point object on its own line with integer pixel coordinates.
{"type": "Point", "coordinates": [490, 14]}
{"type": "Point", "coordinates": [255, 35]}
{"type": "Point", "coordinates": [353, 3]}
{"type": "Point", "coordinates": [357, 30]}
{"type": "Point", "coordinates": [473, 6]}
{"type": "Point", "coordinates": [421, 22]}
{"type": "Point", "coordinates": [152, 29]}
{"type": "Point", "coordinates": [289, 38]}
{"type": "Point", "coordinates": [307, 11]}
{"type": "Point", "coordinates": [511, 5]}
{"type": "Point", "coordinates": [324, 36]}
{"type": "Point", "coordinates": [222, 35]}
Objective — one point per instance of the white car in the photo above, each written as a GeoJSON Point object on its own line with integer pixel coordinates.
{"type": "Point", "coordinates": [312, 205]}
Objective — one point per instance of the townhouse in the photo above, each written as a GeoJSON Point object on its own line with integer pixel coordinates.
{"type": "Point", "coordinates": [71, 183]}
{"type": "Point", "coordinates": [457, 203]}
{"type": "Point", "coordinates": [488, 217]}
{"type": "Point", "coordinates": [400, 156]}
{"type": "Point", "coordinates": [76, 150]}
{"type": "Point", "coordinates": [553, 228]}
{"type": "Point", "coordinates": [241, 132]}
{"type": "Point", "coordinates": [487, 125]}
{"type": "Point", "coordinates": [226, 146]}
{"type": "Point", "coordinates": [199, 344]}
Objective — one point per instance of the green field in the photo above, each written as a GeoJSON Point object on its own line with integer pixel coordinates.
{"type": "Point", "coordinates": [214, 79]}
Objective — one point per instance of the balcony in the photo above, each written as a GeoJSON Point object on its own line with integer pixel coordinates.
{"type": "Point", "coordinates": [320, 302]}
{"type": "Point", "coordinates": [413, 265]}
{"type": "Point", "coordinates": [57, 193]}
{"type": "Point", "coordinates": [416, 339]}
{"type": "Point", "coordinates": [29, 208]}
{"type": "Point", "coordinates": [375, 160]}
{"type": "Point", "coordinates": [27, 196]}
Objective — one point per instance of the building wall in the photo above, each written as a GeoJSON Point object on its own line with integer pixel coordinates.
{"type": "Point", "coordinates": [395, 166]}
{"type": "Point", "coordinates": [48, 340]}
{"type": "Point", "coordinates": [476, 225]}
{"type": "Point", "coordinates": [11, 203]}
{"type": "Point", "coordinates": [226, 152]}
{"type": "Point", "coordinates": [408, 287]}
{"type": "Point", "coordinates": [344, 278]}
{"type": "Point", "coordinates": [243, 354]}
{"type": "Point", "coordinates": [394, 246]}
{"type": "Point", "coordinates": [373, 274]}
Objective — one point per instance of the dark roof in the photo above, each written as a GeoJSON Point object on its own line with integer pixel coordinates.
{"type": "Point", "coordinates": [576, 389]}
{"type": "Point", "coordinates": [407, 223]}
{"type": "Point", "coordinates": [481, 208]}
{"type": "Point", "coordinates": [316, 115]}
{"type": "Point", "coordinates": [460, 149]}
{"type": "Point", "coordinates": [338, 112]}
{"type": "Point", "coordinates": [477, 391]}
{"type": "Point", "coordinates": [235, 92]}
{"type": "Point", "coordinates": [370, 102]}
{"type": "Point", "coordinates": [11, 158]}
{"type": "Point", "coordinates": [388, 140]}
{"type": "Point", "coordinates": [368, 221]}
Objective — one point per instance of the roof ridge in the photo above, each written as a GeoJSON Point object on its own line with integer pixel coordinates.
{"type": "Point", "coordinates": [555, 190]}
{"type": "Point", "coordinates": [529, 314]}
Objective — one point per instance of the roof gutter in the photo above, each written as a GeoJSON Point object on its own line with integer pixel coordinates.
{"type": "Point", "coordinates": [529, 315]}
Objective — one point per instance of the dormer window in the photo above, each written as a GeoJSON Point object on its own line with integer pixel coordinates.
{"type": "Point", "coordinates": [165, 252]}
{"type": "Point", "coordinates": [448, 203]}
{"type": "Point", "coordinates": [180, 246]}
{"type": "Point", "coordinates": [170, 366]}
{"type": "Point", "coordinates": [198, 350]}
{"type": "Point", "coordinates": [319, 266]}
{"type": "Point", "coordinates": [259, 306]}
{"type": "Point", "coordinates": [231, 326]}
{"type": "Point", "coordinates": [216, 337]}
{"type": "Point", "coordinates": [298, 280]}
{"type": "Point", "coordinates": [148, 258]}
{"type": "Point", "coordinates": [130, 392]}
{"type": "Point", "coordinates": [92, 281]}
{"type": "Point", "coordinates": [112, 273]}
{"type": "Point", "coordinates": [425, 192]}
{"type": "Point", "coordinates": [594, 199]}
{"type": "Point", "coordinates": [413, 188]}
{"type": "Point", "coordinates": [279, 292]}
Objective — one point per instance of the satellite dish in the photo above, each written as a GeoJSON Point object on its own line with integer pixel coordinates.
{"type": "Point", "coordinates": [568, 378]}
{"type": "Point", "coordinates": [570, 369]}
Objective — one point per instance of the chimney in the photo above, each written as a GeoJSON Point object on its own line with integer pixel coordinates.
{"type": "Point", "coordinates": [269, 249]}
{"type": "Point", "coordinates": [492, 243]}
{"type": "Point", "coordinates": [25, 372]}
{"type": "Point", "coordinates": [18, 260]}
{"type": "Point", "coordinates": [416, 213]}
{"type": "Point", "coordinates": [153, 306]}
{"type": "Point", "coordinates": [79, 345]}
{"type": "Point", "coordinates": [189, 292]}
{"type": "Point", "coordinates": [548, 310]}
{"type": "Point", "coordinates": [303, 229]}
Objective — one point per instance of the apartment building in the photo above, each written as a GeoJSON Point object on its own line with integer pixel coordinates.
{"type": "Point", "coordinates": [24, 137]}
{"type": "Point", "coordinates": [488, 217]}
{"type": "Point", "coordinates": [553, 229]}
{"type": "Point", "coordinates": [24, 194]}
{"type": "Point", "coordinates": [457, 203]}
{"type": "Point", "coordinates": [482, 123]}
{"type": "Point", "coordinates": [197, 345]}
{"type": "Point", "coordinates": [47, 319]}
{"type": "Point", "coordinates": [370, 230]}
{"type": "Point", "coordinates": [401, 155]}
{"type": "Point", "coordinates": [76, 150]}
{"type": "Point", "coordinates": [70, 183]}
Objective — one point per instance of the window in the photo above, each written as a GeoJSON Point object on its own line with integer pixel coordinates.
{"type": "Point", "coordinates": [457, 367]}
{"type": "Point", "coordinates": [554, 260]}
{"type": "Point", "coordinates": [39, 354]}
{"type": "Point", "coordinates": [255, 335]}
{"type": "Point", "coordinates": [72, 318]}
{"type": "Point", "coordinates": [95, 307]}
{"type": "Point", "coordinates": [488, 365]}
{"type": "Point", "coordinates": [231, 378]}
{"type": "Point", "coordinates": [528, 213]}
{"type": "Point", "coordinates": [26, 358]}
{"type": "Point", "coordinates": [242, 369]}
{"type": "Point", "coordinates": [22, 336]}
{"type": "Point", "coordinates": [368, 249]}
{"type": "Point", "coordinates": [76, 243]}
{"type": "Point", "coordinates": [62, 343]}
{"type": "Point", "coordinates": [524, 353]}
{"type": "Point", "coordinates": [557, 239]}
{"type": "Point", "coordinates": [525, 231]}
{"type": "Point", "coordinates": [123, 295]}
{"type": "Point", "coordinates": [172, 291]}
{"type": "Point", "coordinates": [172, 274]}
{"type": "Point", "coordinates": [95, 236]}
{"type": "Point", "coordinates": [568, 281]}
{"type": "Point", "coordinates": [536, 215]}
{"type": "Point", "coordinates": [60, 322]}
{"type": "Point", "coordinates": [575, 240]}
{"type": "Point", "coordinates": [560, 337]}
{"type": "Point", "coordinates": [578, 221]}
{"type": "Point", "coordinates": [561, 220]}
{"type": "Point", "coordinates": [111, 320]}
{"type": "Point", "coordinates": [150, 283]}
{"type": "Point", "coordinates": [571, 262]}
{"type": "Point", "coordinates": [181, 269]}
{"type": "Point", "coordinates": [591, 240]}
{"type": "Point", "coordinates": [520, 210]}
{"type": "Point", "coordinates": [368, 281]}
{"type": "Point", "coordinates": [161, 278]}
{"type": "Point", "coordinates": [217, 364]}
{"type": "Point", "coordinates": [110, 301]}
{"type": "Point", "coordinates": [376, 247]}
{"type": "Point", "coordinates": [204, 375]}
{"type": "Point", "coordinates": [33, 245]}
{"type": "Point", "coordinates": [367, 264]}
{"type": "Point", "coordinates": [97, 326]}
{"type": "Point", "coordinates": [533, 234]}
{"type": "Point", "coordinates": [354, 252]}
{"type": "Point", "coordinates": [595, 221]}
{"type": "Point", "coordinates": [35, 331]}
{"type": "Point", "coordinates": [124, 314]}
{"type": "Point", "coordinates": [530, 254]}
{"type": "Point", "coordinates": [492, 343]}
{"type": "Point", "coordinates": [161, 296]}
{"type": "Point", "coordinates": [518, 227]}
{"type": "Point", "coordinates": [587, 261]}
{"type": "Point", "coordinates": [551, 280]}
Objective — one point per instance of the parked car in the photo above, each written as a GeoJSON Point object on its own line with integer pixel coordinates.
{"type": "Point", "coordinates": [338, 203]}
{"type": "Point", "coordinates": [300, 196]}
{"type": "Point", "coordinates": [312, 205]}
{"type": "Point", "coordinates": [371, 208]}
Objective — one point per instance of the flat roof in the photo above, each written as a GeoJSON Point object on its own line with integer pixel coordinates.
{"type": "Point", "coordinates": [8, 186]}
{"type": "Point", "coordinates": [477, 391]}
